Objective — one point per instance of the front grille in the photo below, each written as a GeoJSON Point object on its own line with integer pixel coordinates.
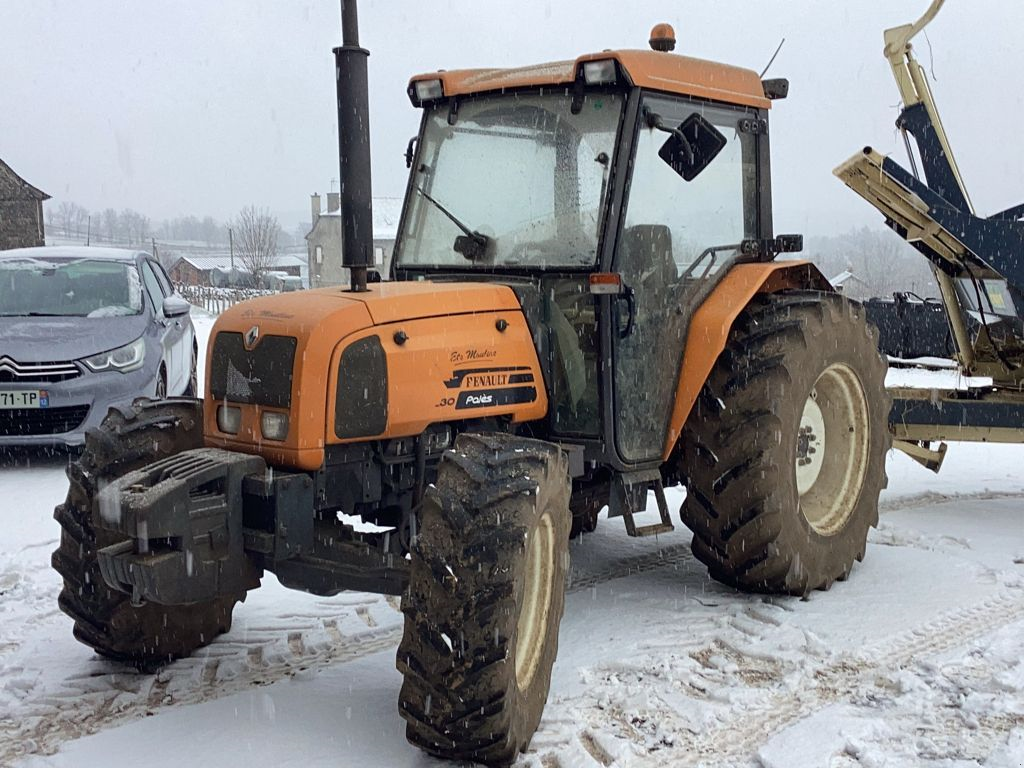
{"type": "Point", "coordinates": [260, 376]}
{"type": "Point", "coordinates": [20, 422]}
{"type": "Point", "coordinates": [13, 372]}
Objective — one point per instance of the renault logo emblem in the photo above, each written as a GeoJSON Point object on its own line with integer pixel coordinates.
{"type": "Point", "coordinates": [252, 336]}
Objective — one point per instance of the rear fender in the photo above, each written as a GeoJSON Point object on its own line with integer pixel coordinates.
{"type": "Point", "coordinates": [713, 321]}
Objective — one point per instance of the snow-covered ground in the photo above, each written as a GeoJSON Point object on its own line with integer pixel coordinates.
{"type": "Point", "coordinates": [917, 660]}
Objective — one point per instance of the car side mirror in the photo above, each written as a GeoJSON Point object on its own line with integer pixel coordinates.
{"type": "Point", "coordinates": [175, 306]}
{"type": "Point", "coordinates": [691, 147]}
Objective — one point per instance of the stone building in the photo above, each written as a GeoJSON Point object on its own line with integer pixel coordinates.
{"type": "Point", "coordinates": [21, 211]}
{"type": "Point", "coordinates": [324, 238]}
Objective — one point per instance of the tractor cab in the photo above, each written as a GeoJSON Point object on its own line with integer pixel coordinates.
{"type": "Point", "coordinates": [611, 192]}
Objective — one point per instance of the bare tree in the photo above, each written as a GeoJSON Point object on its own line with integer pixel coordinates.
{"type": "Point", "coordinates": [110, 224]}
{"type": "Point", "coordinates": [66, 216]}
{"type": "Point", "coordinates": [81, 220]}
{"type": "Point", "coordinates": [256, 232]}
{"type": "Point", "coordinates": [877, 258]}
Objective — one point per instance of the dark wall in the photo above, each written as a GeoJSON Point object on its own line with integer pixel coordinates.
{"type": "Point", "coordinates": [21, 213]}
{"type": "Point", "coordinates": [21, 223]}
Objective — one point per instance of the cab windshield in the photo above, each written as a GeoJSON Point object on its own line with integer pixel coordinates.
{"type": "Point", "coordinates": [517, 181]}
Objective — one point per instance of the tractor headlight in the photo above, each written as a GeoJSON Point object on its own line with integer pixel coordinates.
{"type": "Point", "coordinates": [124, 359]}
{"type": "Point", "coordinates": [274, 425]}
{"type": "Point", "coordinates": [229, 419]}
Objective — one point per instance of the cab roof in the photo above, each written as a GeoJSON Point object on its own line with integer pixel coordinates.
{"type": "Point", "coordinates": [656, 70]}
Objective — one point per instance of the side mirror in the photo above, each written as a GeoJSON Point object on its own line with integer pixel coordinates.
{"type": "Point", "coordinates": [175, 306]}
{"type": "Point", "coordinates": [691, 147]}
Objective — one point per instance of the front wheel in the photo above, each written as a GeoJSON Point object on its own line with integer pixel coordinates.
{"type": "Point", "coordinates": [784, 451]}
{"type": "Point", "coordinates": [105, 619]}
{"type": "Point", "coordinates": [485, 598]}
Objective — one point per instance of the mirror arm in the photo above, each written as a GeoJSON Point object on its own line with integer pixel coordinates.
{"type": "Point", "coordinates": [410, 151]}
{"type": "Point", "coordinates": [654, 121]}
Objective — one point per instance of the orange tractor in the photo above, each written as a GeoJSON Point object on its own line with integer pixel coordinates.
{"type": "Point", "coordinates": [584, 308]}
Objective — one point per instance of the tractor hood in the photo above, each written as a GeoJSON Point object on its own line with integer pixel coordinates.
{"type": "Point", "coordinates": [414, 341]}
{"type": "Point", "coordinates": [382, 303]}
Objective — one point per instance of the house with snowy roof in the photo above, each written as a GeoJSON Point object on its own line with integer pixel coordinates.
{"type": "Point", "coordinates": [221, 270]}
{"type": "Point", "coordinates": [324, 238]}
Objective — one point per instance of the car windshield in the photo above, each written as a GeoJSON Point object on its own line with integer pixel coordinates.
{"type": "Point", "coordinates": [68, 288]}
{"type": "Point", "coordinates": [520, 176]}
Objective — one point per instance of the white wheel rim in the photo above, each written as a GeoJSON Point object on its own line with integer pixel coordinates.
{"type": "Point", "coordinates": [832, 449]}
{"type": "Point", "coordinates": [533, 616]}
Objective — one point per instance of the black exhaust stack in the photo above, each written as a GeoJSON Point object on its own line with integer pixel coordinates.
{"type": "Point", "coordinates": [354, 149]}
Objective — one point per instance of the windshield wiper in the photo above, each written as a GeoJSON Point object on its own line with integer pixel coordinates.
{"type": "Point", "coordinates": [472, 245]}
{"type": "Point", "coordinates": [36, 314]}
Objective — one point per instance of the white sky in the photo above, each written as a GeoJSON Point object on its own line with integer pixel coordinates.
{"type": "Point", "coordinates": [198, 107]}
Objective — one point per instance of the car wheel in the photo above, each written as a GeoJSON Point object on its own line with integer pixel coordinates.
{"type": "Point", "coordinates": [192, 390]}
{"type": "Point", "coordinates": [161, 384]}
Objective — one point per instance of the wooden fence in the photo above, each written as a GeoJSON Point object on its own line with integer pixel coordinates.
{"type": "Point", "coordinates": [216, 300]}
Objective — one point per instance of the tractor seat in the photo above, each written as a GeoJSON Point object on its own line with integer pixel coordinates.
{"type": "Point", "coordinates": [648, 248]}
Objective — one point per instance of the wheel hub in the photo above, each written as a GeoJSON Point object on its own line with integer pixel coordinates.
{"type": "Point", "coordinates": [810, 446]}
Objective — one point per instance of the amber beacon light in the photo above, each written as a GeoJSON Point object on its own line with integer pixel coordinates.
{"type": "Point", "coordinates": [663, 37]}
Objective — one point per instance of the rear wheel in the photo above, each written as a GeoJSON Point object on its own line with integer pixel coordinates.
{"type": "Point", "coordinates": [784, 452]}
{"type": "Point", "coordinates": [105, 619]}
{"type": "Point", "coordinates": [485, 599]}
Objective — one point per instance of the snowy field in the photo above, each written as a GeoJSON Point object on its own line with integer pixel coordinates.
{"type": "Point", "coordinates": [917, 660]}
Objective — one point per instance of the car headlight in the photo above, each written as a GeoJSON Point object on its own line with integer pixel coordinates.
{"type": "Point", "coordinates": [123, 359]}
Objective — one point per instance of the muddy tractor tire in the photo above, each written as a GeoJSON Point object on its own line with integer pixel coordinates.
{"type": "Point", "coordinates": [105, 619]}
{"type": "Point", "coordinates": [485, 599]}
{"type": "Point", "coordinates": [784, 452]}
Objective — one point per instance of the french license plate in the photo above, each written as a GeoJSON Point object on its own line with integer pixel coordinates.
{"type": "Point", "coordinates": [25, 398]}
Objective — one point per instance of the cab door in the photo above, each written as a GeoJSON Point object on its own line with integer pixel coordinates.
{"type": "Point", "coordinates": [676, 239]}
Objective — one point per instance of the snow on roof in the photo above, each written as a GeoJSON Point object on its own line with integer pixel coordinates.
{"type": "Point", "coordinates": [844, 277]}
{"type": "Point", "coordinates": [386, 213]}
{"type": "Point", "coordinates": [30, 190]}
{"type": "Point", "coordinates": [222, 261]}
{"type": "Point", "coordinates": [71, 252]}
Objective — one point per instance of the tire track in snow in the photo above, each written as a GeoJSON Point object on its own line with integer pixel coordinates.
{"type": "Point", "coordinates": [280, 647]}
{"type": "Point", "coordinates": [92, 702]}
{"type": "Point", "coordinates": [737, 737]}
